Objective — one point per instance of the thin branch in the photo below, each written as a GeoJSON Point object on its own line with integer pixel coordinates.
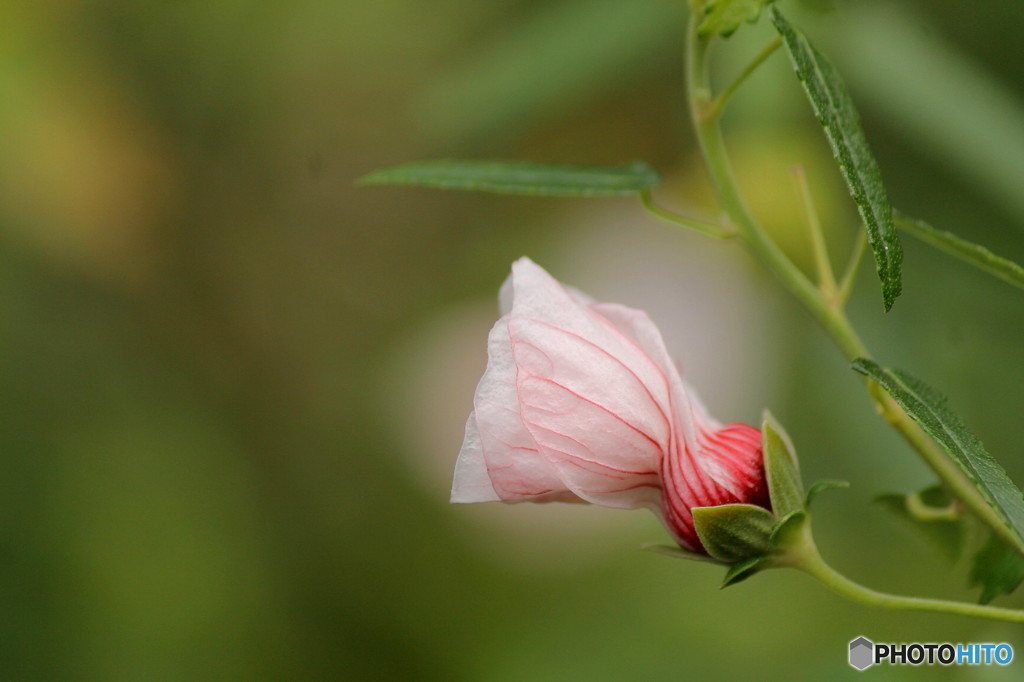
{"type": "Point", "coordinates": [850, 275]}
{"type": "Point", "coordinates": [718, 104]}
{"type": "Point", "coordinates": [826, 279]}
{"type": "Point", "coordinates": [710, 229]}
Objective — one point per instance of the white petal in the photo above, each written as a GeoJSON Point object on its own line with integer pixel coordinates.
{"type": "Point", "coordinates": [637, 325]}
{"type": "Point", "coordinates": [472, 482]}
{"type": "Point", "coordinates": [595, 403]}
{"type": "Point", "coordinates": [515, 468]}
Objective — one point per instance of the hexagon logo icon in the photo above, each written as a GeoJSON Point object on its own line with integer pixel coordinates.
{"type": "Point", "coordinates": [862, 653]}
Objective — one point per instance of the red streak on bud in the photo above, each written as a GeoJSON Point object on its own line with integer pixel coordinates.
{"type": "Point", "coordinates": [728, 468]}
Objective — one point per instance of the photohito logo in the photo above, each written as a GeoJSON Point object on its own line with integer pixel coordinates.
{"type": "Point", "coordinates": [864, 653]}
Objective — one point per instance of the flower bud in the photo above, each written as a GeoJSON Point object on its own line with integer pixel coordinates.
{"type": "Point", "coordinates": [581, 402]}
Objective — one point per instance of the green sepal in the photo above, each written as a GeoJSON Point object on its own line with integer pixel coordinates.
{"type": "Point", "coordinates": [821, 486]}
{"type": "Point", "coordinates": [734, 532]}
{"type": "Point", "coordinates": [742, 570]}
{"type": "Point", "coordinates": [680, 553]}
{"type": "Point", "coordinates": [998, 568]}
{"type": "Point", "coordinates": [787, 531]}
{"type": "Point", "coordinates": [934, 515]}
{"type": "Point", "coordinates": [781, 468]}
{"type": "Point", "coordinates": [723, 17]}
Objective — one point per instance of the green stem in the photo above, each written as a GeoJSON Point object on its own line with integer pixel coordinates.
{"type": "Point", "coordinates": [709, 137]}
{"type": "Point", "coordinates": [710, 229]}
{"type": "Point", "coordinates": [919, 510]}
{"type": "Point", "coordinates": [718, 105]}
{"type": "Point", "coordinates": [937, 460]}
{"type": "Point", "coordinates": [826, 279]}
{"type": "Point", "coordinates": [829, 311]}
{"type": "Point", "coordinates": [850, 275]}
{"type": "Point", "coordinates": [806, 558]}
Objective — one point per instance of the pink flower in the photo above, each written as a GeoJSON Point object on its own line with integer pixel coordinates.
{"type": "Point", "coordinates": [581, 402]}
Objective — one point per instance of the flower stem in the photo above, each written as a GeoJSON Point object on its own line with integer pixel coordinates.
{"type": "Point", "coordinates": [805, 557]}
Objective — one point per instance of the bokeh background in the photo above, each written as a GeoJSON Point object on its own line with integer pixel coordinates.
{"type": "Point", "coordinates": [234, 384]}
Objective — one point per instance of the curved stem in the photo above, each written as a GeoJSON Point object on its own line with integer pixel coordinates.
{"type": "Point", "coordinates": [921, 511]}
{"type": "Point", "coordinates": [810, 562]}
{"type": "Point", "coordinates": [704, 227]}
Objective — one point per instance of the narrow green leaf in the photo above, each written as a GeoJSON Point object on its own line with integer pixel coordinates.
{"type": "Point", "coordinates": [928, 408]}
{"type": "Point", "coordinates": [515, 177]}
{"type": "Point", "coordinates": [933, 515]}
{"type": "Point", "coordinates": [723, 17]}
{"type": "Point", "coordinates": [835, 111]}
{"type": "Point", "coordinates": [997, 568]}
{"type": "Point", "coordinates": [739, 572]}
{"type": "Point", "coordinates": [734, 532]}
{"type": "Point", "coordinates": [821, 486]}
{"type": "Point", "coordinates": [781, 468]}
{"type": "Point", "coordinates": [969, 252]}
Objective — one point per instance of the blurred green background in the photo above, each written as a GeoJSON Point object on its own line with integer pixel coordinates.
{"type": "Point", "coordinates": [234, 384]}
